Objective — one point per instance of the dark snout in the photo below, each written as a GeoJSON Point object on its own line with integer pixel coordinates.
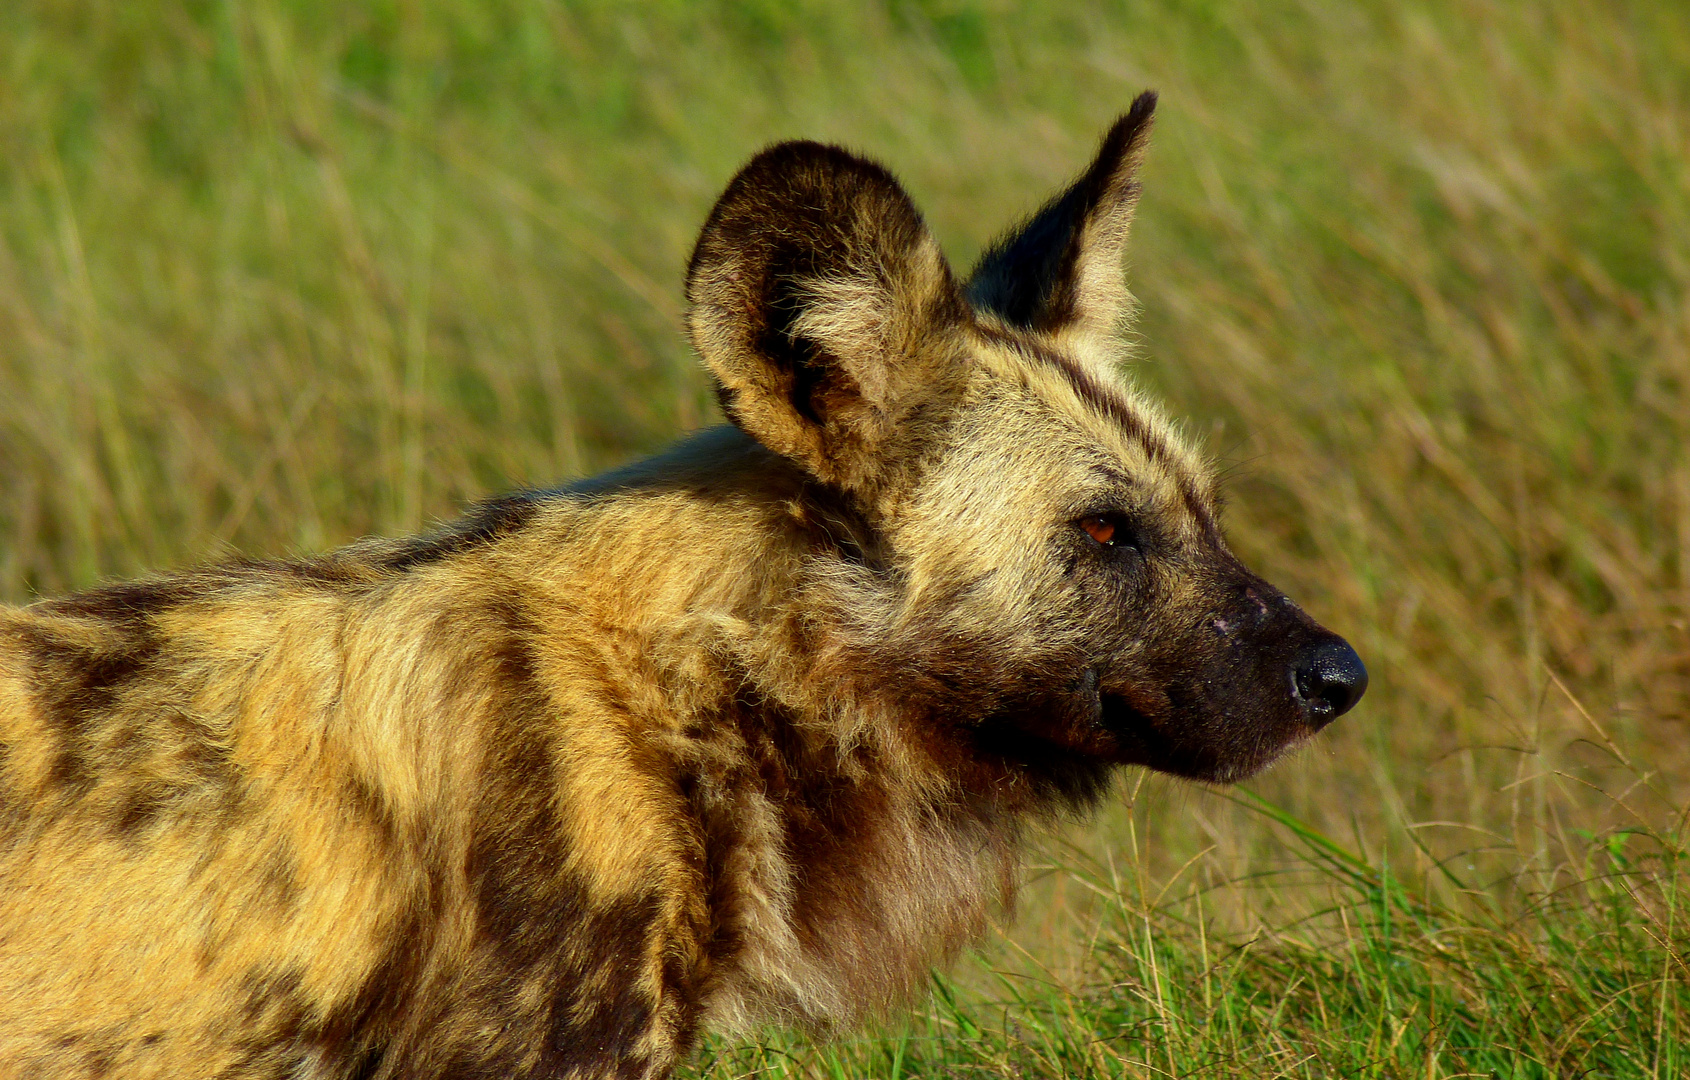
{"type": "Point", "coordinates": [1328, 678]}
{"type": "Point", "coordinates": [1257, 677]}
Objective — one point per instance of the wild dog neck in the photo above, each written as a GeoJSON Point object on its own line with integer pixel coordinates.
{"type": "Point", "coordinates": [867, 647]}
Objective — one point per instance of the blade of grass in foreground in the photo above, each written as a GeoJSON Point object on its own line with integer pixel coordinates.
{"type": "Point", "coordinates": [1585, 980]}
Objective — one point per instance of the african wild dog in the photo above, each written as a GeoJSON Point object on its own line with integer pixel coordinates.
{"type": "Point", "coordinates": [751, 730]}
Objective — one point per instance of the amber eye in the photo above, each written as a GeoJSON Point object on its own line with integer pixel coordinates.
{"type": "Point", "coordinates": [1101, 529]}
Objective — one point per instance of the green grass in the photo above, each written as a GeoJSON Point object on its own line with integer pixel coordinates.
{"type": "Point", "coordinates": [279, 273]}
{"type": "Point", "coordinates": [1386, 982]}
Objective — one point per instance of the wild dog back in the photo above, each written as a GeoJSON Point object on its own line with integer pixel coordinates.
{"type": "Point", "coordinates": [748, 731]}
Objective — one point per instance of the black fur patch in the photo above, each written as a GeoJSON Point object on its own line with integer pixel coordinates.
{"type": "Point", "coordinates": [128, 604]}
{"type": "Point", "coordinates": [359, 1032]}
{"type": "Point", "coordinates": [484, 524]}
{"type": "Point", "coordinates": [367, 803]}
{"type": "Point", "coordinates": [609, 1024]}
{"type": "Point", "coordinates": [80, 687]}
{"type": "Point", "coordinates": [141, 806]}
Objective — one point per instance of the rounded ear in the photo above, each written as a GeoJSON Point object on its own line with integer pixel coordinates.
{"type": "Point", "coordinates": [820, 302]}
{"type": "Point", "coordinates": [1060, 271]}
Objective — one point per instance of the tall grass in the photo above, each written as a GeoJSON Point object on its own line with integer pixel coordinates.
{"type": "Point", "coordinates": [279, 273]}
{"type": "Point", "coordinates": [1586, 981]}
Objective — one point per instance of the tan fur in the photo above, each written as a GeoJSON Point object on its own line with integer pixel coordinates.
{"type": "Point", "coordinates": [749, 732]}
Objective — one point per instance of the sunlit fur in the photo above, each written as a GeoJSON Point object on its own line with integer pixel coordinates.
{"type": "Point", "coordinates": [747, 732]}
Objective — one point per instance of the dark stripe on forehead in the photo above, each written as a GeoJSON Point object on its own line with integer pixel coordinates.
{"type": "Point", "coordinates": [1105, 400]}
{"type": "Point", "coordinates": [1097, 395]}
{"type": "Point", "coordinates": [1202, 509]}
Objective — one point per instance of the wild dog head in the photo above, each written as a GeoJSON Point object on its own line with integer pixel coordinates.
{"type": "Point", "coordinates": [1051, 574]}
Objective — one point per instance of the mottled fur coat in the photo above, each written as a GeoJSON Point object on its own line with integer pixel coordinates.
{"type": "Point", "coordinates": [750, 731]}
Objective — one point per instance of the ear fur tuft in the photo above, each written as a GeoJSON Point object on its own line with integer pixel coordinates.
{"type": "Point", "coordinates": [815, 291]}
{"type": "Point", "coordinates": [1060, 271]}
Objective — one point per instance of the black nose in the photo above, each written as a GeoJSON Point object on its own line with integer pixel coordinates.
{"type": "Point", "coordinates": [1330, 678]}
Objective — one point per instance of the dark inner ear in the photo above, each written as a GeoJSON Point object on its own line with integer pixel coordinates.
{"type": "Point", "coordinates": [811, 368]}
{"type": "Point", "coordinates": [1021, 277]}
{"type": "Point", "coordinates": [1031, 278]}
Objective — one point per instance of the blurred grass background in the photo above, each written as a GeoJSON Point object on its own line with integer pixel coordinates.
{"type": "Point", "coordinates": [280, 273]}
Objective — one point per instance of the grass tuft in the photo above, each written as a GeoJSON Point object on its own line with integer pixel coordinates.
{"type": "Point", "coordinates": [1384, 979]}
